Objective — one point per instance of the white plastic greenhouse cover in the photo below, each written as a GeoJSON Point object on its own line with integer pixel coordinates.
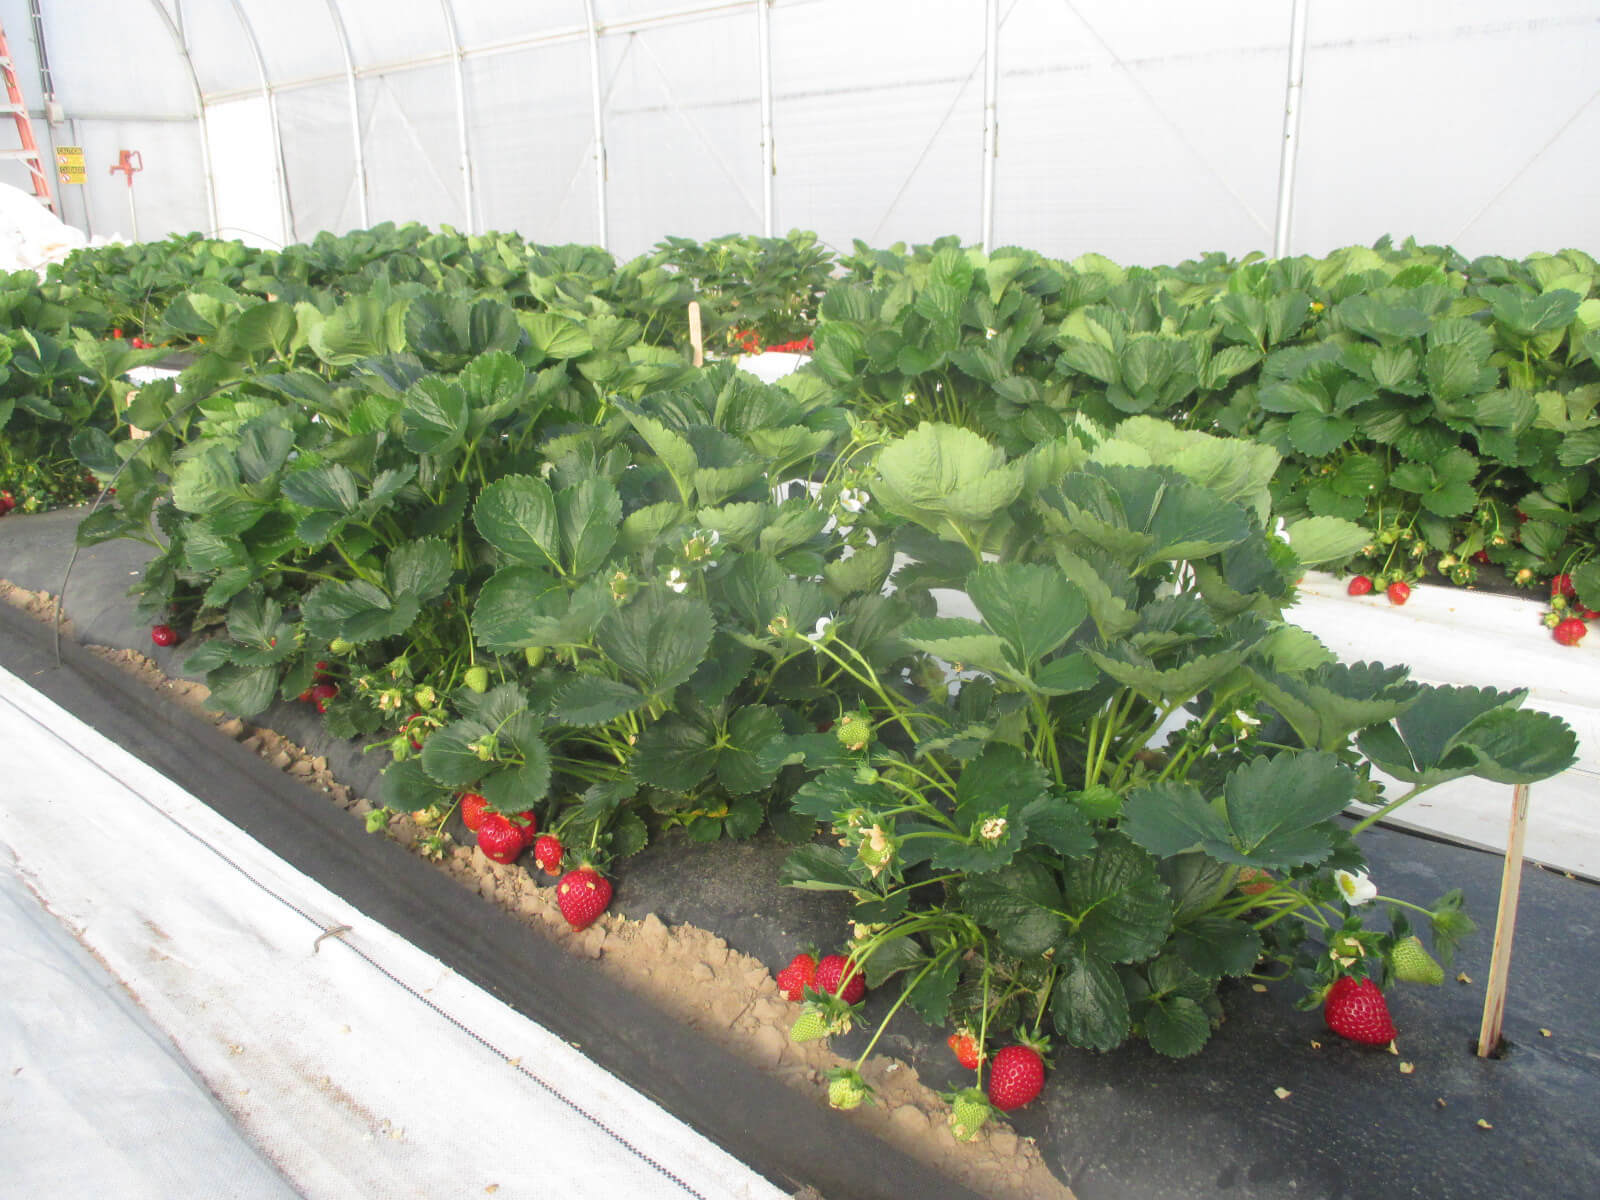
{"type": "Point", "coordinates": [1147, 130]}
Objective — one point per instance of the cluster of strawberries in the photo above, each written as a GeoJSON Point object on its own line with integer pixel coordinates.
{"type": "Point", "coordinates": [1567, 619]}
{"type": "Point", "coordinates": [583, 893]}
{"type": "Point", "coordinates": [322, 689]}
{"type": "Point", "coordinates": [832, 986]}
{"type": "Point", "coordinates": [750, 343]}
{"type": "Point", "coordinates": [138, 343]}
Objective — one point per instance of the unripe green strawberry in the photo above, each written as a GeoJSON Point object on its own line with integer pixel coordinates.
{"type": "Point", "coordinates": [855, 732]}
{"type": "Point", "coordinates": [846, 1088]}
{"type": "Point", "coordinates": [533, 655]}
{"type": "Point", "coordinates": [1413, 964]}
{"type": "Point", "coordinates": [876, 850]}
{"type": "Point", "coordinates": [810, 1025]}
{"type": "Point", "coordinates": [340, 646]}
{"type": "Point", "coordinates": [969, 1110]}
{"type": "Point", "coordinates": [477, 678]}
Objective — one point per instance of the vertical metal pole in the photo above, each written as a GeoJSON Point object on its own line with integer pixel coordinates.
{"type": "Point", "coordinates": [47, 152]}
{"type": "Point", "coordinates": [285, 212]}
{"type": "Point", "coordinates": [469, 194]}
{"type": "Point", "coordinates": [199, 106]}
{"type": "Point", "coordinates": [769, 160]}
{"type": "Point", "coordinates": [991, 129]}
{"type": "Point", "coordinates": [599, 121]}
{"type": "Point", "coordinates": [1291, 128]}
{"type": "Point", "coordinates": [355, 110]}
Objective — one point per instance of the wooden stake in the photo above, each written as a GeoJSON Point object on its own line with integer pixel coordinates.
{"type": "Point", "coordinates": [1505, 922]}
{"type": "Point", "coordinates": [695, 338]}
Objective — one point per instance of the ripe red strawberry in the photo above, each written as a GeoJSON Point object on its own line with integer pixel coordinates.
{"type": "Point", "coordinates": [163, 635]}
{"type": "Point", "coordinates": [7, 503]}
{"type": "Point", "coordinates": [473, 809]}
{"type": "Point", "coordinates": [800, 974]}
{"type": "Point", "coordinates": [1356, 1009]}
{"type": "Point", "coordinates": [499, 838]}
{"type": "Point", "coordinates": [547, 852]}
{"type": "Point", "coordinates": [965, 1047]}
{"type": "Point", "coordinates": [1360, 585]}
{"type": "Point", "coordinates": [321, 693]}
{"type": "Point", "coordinates": [1016, 1077]}
{"type": "Point", "coordinates": [1399, 592]}
{"type": "Point", "coordinates": [1571, 631]}
{"type": "Point", "coordinates": [527, 825]}
{"type": "Point", "coordinates": [829, 973]}
{"type": "Point", "coordinates": [1561, 585]}
{"type": "Point", "coordinates": [1482, 556]}
{"type": "Point", "coordinates": [583, 895]}
{"type": "Point", "coordinates": [414, 717]}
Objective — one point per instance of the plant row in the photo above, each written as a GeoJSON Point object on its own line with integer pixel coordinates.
{"type": "Point", "coordinates": [1024, 692]}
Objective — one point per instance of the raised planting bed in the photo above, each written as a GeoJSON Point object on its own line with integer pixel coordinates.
{"type": "Point", "coordinates": [1353, 1118]}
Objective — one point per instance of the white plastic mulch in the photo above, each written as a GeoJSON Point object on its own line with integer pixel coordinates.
{"type": "Point", "coordinates": [256, 1056]}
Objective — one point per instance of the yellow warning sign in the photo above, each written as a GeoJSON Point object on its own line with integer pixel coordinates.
{"type": "Point", "coordinates": [69, 162]}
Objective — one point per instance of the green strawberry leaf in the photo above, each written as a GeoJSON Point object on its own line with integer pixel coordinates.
{"type": "Point", "coordinates": [1216, 946]}
{"type": "Point", "coordinates": [1176, 1026]}
{"type": "Point", "coordinates": [1089, 1006]}
{"type": "Point", "coordinates": [1119, 908]}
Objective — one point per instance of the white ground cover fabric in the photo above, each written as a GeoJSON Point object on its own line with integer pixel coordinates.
{"type": "Point", "coordinates": [1461, 638]}
{"type": "Point", "coordinates": [355, 1063]}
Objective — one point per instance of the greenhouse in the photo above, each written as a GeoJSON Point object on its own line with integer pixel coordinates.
{"type": "Point", "coordinates": [782, 598]}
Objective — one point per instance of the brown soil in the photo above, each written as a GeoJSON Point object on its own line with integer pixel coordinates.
{"type": "Point", "coordinates": [735, 1000]}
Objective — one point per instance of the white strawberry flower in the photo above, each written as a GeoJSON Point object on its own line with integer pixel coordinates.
{"type": "Point", "coordinates": [911, 397]}
{"type": "Point", "coordinates": [990, 334]}
{"type": "Point", "coordinates": [853, 500]}
{"type": "Point", "coordinates": [824, 626]}
{"type": "Point", "coordinates": [676, 581]}
{"type": "Point", "coordinates": [993, 829]}
{"type": "Point", "coordinates": [1355, 887]}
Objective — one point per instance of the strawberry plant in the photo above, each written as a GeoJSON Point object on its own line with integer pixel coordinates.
{"type": "Point", "coordinates": [1111, 781]}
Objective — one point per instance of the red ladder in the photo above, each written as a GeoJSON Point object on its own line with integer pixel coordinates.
{"type": "Point", "coordinates": [18, 108]}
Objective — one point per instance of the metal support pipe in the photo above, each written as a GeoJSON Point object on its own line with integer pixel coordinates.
{"type": "Point", "coordinates": [991, 128]}
{"type": "Point", "coordinates": [343, 34]}
{"type": "Point", "coordinates": [554, 37]}
{"type": "Point", "coordinates": [1291, 128]}
{"type": "Point", "coordinates": [598, 105]}
{"type": "Point", "coordinates": [199, 105]}
{"type": "Point", "coordinates": [47, 87]}
{"type": "Point", "coordinates": [769, 158]}
{"type": "Point", "coordinates": [462, 135]}
{"type": "Point", "coordinates": [280, 168]}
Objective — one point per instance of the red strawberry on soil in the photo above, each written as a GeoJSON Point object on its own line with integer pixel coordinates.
{"type": "Point", "coordinates": [1570, 632]}
{"type": "Point", "coordinates": [473, 809]}
{"type": "Point", "coordinates": [1360, 585]}
{"type": "Point", "coordinates": [830, 971]}
{"type": "Point", "coordinates": [1356, 1009]}
{"type": "Point", "coordinates": [965, 1047]}
{"type": "Point", "coordinates": [800, 974]}
{"type": "Point", "coordinates": [163, 635]}
{"type": "Point", "coordinates": [583, 895]}
{"type": "Point", "coordinates": [499, 838]}
{"type": "Point", "coordinates": [1016, 1077]}
{"type": "Point", "coordinates": [547, 852]}
{"type": "Point", "coordinates": [1399, 592]}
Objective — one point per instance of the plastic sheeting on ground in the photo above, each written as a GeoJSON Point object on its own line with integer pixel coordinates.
{"type": "Point", "coordinates": [354, 1062]}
